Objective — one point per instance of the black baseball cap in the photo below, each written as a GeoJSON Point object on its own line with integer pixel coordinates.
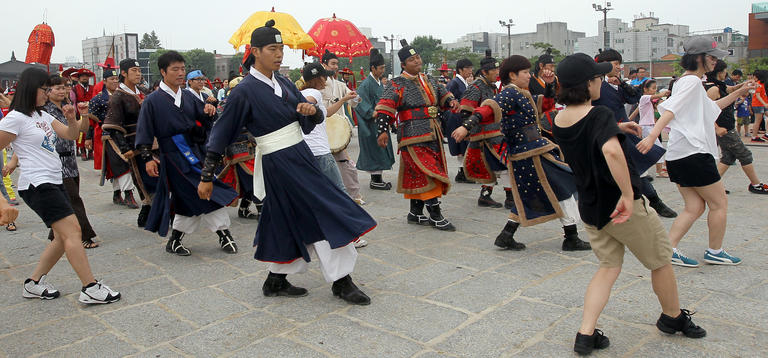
{"type": "Point", "coordinates": [314, 70]}
{"type": "Point", "coordinates": [579, 68]}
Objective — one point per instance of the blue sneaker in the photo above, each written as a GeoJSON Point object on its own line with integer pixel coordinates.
{"type": "Point", "coordinates": [681, 260]}
{"type": "Point", "coordinates": [723, 258]}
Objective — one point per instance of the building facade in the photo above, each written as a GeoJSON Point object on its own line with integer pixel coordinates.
{"type": "Point", "coordinates": [96, 50]}
{"type": "Point", "coordinates": [556, 34]}
{"type": "Point", "coordinates": [758, 31]}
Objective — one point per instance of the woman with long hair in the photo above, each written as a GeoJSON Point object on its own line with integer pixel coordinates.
{"type": "Point", "coordinates": [34, 134]}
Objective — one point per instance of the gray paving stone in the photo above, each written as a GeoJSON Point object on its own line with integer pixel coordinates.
{"type": "Point", "coordinates": [410, 318]}
{"type": "Point", "coordinates": [346, 338]}
{"type": "Point", "coordinates": [545, 349]}
{"type": "Point", "coordinates": [758, 292]}
{"type": "Point", "coordinates": [102, 345]}
{"type": "Point", "coordinates": [423, 280]}
{"type": "Point", "coordinates": [740, 310]}
{"type": "Point", "coordinates": [207, 274]}
{"type": "Point", "coordinates": [504, 328]}
{"type": "Point", "coordinates": [729, 339]}
{"type": "Point", "coordinates": [432, 354]}
{"type": "Point", "coordinates": [624, 337]}
{"type": "Point", "coordinates": [479, 293]}
{"type": "Point", "coordinates": [203, 306]}
{"type": "Point", "coordinates": [137, 293]}
{"type": "Point", "coordinates": [62, 333]}
{"type": "Point", "coordinates": [33, 312]}
{"type": "Point", "coordinates": [665, 348]}
{"type": "Point", "coordinates": [463, 257]}
{"type": "Point", "coordinates": [638, 304]}
{"type": "Point", "coordinates": [574, 282]}
{"type": "Point", "coordinates": [320, 301]}
{"type": "Point", "coordinates": [395, 256]}
{"type": "Point", "coordinates": [163, 351]}
{"type": "Point", "coordinates": [277, 347]}
{"type": "Point", "coordinates": [147, 325]}
{"type": "Point", "coordinates": [231, 335]}
{"type": "Point", "coordinates": [535, 266]}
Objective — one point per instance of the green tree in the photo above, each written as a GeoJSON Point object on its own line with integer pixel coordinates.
{"type": "Point", "coordinates": [236, 61]}
{"type": "Point", "coordinates": [453, 56]}
{"type": "Point", "coordinates": [295, 74]}
{"type": "Point", "coordinates": [153, 62]}
{"type": "Point", "coordinates": [199, 59]}
{"type": "Point", "coordinates": [430, 51]}
{"type": "Point", "coordinates": [150, 41]}
{"type": "Point", "coordinates": [754, 64]}
{"type": "Point", "coordinates": [543, 46]}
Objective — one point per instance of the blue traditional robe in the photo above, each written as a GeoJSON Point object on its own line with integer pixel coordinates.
{"type": "Point", "coordinates": [454, 120]}
{"type": "Point", "coordinates": [372, 157]}
{"type": "Point", "coordinates": [302, 206]}
{"type": "Point", "coordinates": [176, 191]}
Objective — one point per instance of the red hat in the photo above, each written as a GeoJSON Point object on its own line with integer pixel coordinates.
{"type": "Point", "coordinates": [68, 72]}
{"type": "Point", "coordinates": [217, 80]}
{"type": "Point", "coordinates": [444, 67]}
{"type": "Point", "coordinates": [346, 71]}
{"type": "Point", "coordinates": [85, 72]}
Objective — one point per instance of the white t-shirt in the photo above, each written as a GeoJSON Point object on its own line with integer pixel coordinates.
{"type": "Point", "coordinates": [35, 145]}
{"type": "Point", "coordinates": [692, 130]}
{"type": "Point", "coordinates": [318, 138]}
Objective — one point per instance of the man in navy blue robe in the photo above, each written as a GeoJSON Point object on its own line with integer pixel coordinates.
{"type": "Point", "coordinates": [180, 123]}
{"type": "Point", "coordinates": [303, 213]}
{"type": "Point", "coordinates": [614, 96]}
{"type": "Point", "coordinates": [457, 86]}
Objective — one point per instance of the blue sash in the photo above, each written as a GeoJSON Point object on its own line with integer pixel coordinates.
{"type": "Point", "coordinates": [185, 150]}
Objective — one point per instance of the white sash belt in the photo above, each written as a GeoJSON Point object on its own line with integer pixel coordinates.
{"type": "Point", "coordinates": [282, 138]}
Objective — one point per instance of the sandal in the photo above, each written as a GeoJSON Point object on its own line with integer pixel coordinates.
{"type": "Point", "coordinates": [90, 244]}
{"type": "Point", "coordinates": [11, 227]}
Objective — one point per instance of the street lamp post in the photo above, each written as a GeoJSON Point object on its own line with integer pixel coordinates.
{"type": "Point", "coordinates": [604, 9]}
{"type": "Point", "coordinates": [508, 25]}
{"type": "Point", "coordinates": [391, 39]}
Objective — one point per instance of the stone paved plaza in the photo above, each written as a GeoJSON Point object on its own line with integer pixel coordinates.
{"type": "Point", "coordinates": [434, 294]}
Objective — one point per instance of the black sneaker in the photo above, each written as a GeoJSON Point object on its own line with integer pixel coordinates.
{"type": "Point", "coordinates": [758, 189]}
{"type": "Point", "coordinates": [227, 242]}
{"type": "Point", "coordinates": [682, 323]}
{"type": "Point", "coordinates": [586, 344]}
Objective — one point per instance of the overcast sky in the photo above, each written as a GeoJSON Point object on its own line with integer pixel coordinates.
{"type": "Point", "coordinates": [209, 24]}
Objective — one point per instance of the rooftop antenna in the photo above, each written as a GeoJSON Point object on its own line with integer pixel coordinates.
{"type": "Point", "coordinates": [45, 15]}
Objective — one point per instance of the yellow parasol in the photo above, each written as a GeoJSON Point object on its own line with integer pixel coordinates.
{"type": "Point", "coordinates": [293, 36]}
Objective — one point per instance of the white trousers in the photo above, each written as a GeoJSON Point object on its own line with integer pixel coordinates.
{"type": "Point", "coordinates": [123, 182]}
{"type": "Point", "coordinates": [214, 221]}
{"type": "Point", "coordinates": [335, 263]}
{"type": "Point", "coordinates": [570, 211]}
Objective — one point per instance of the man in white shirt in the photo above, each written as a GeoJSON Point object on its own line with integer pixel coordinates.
{"type": "Point", "coordinates": [333, 92]}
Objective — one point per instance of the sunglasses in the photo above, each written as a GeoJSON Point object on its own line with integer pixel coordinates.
{"type": "Point", "coordinates": [46, 89]}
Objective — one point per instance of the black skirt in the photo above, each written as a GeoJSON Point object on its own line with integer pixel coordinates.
{"type": "Point", "coordinates": [694, 170]}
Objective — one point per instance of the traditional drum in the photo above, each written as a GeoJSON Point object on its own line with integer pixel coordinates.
{"type": "Point", "coordinates": [339, 132]}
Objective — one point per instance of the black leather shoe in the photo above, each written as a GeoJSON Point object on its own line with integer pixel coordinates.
{"type": "Point", "coordinates": [509, 202]}
{"type": "Point", "coordinates": [461, 178]}
{"type": "Point", "coordinates": [174, 245]}
{"type": "Point", "coordinates": [345, 289]}
{"type": "Point", "coordinates": [380, 186]}
{"type": "Point", "coordinates": [485, 200]}
{"type": "Point", "coordinates": [418, 219]}
{"type": "Point", "coordinates": [586, 344]}
{"type": "Point", "coordinates": [141, 221]}
{"type": "Point", "coordinates": [246, 213]}
{"type": "Point", "coordinates": [117, 198]}
{"type": "Point", "coordinates": [227, 242]}
{"type": "Point", "coordinates": [663, 210]}
{"type": "Point", "coordinates": [437, 220]}
{"type": "Point", "coordinates": [277, 285]}
{"type": "Point", "coordinates": [506, 239]}
{"type": "Point", "coordinates": [572, 241]}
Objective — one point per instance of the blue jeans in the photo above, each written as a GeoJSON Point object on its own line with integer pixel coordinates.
{"type": "Point", "coordinates": [328, 166]}
{"type": "Point", "coordinates": [2, 185]}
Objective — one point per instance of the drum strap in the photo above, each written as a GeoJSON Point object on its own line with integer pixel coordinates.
{"type": "Point", "coordinates": [282, 138]}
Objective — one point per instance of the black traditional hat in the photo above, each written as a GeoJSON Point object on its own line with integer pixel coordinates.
{"type": "Point", "coordinates": [376, 59]}
{"type": "Point", "coordinates": [546, 58]}
{"type": "Point", "coordinates": [109, 72]}
{"type": "Point", "coordinates": [266, 35]}
{"type": "Point", "coordinates": [328, 55]}
{"type": "Point", "coordinates": [488, 63]}
{"type": "Point", "coordinates": [406, 52]}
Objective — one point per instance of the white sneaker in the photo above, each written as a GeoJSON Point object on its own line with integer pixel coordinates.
{"type": "Point", "coordinates": [42, 289]}
{"type": "Point", "coordinates": [98, 293]}
{"type": "Point", "coordinates": [360, 243]}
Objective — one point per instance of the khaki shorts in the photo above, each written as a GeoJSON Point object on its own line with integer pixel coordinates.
{"type": "Point", "coordinates": [643, 234]}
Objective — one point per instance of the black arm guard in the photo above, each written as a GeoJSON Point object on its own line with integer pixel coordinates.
{"type": "Point", "coordinates": [318, 117]}
{"type": "Point", "coordinates": [145, 151]}
{"type": "Point", "coordinates": [628, 89]}
{"type": "Point", "coordinates": [382, 123]}
{"type": "Point", "coordinates": [212, 161]}
{"type": "Point", "coordinates": [549, 90]}
{"type": "Point", "coordinates": [469, 120]}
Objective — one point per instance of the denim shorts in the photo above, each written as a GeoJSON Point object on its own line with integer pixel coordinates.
{"type": "Point", "coordinates": [328, 166]}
